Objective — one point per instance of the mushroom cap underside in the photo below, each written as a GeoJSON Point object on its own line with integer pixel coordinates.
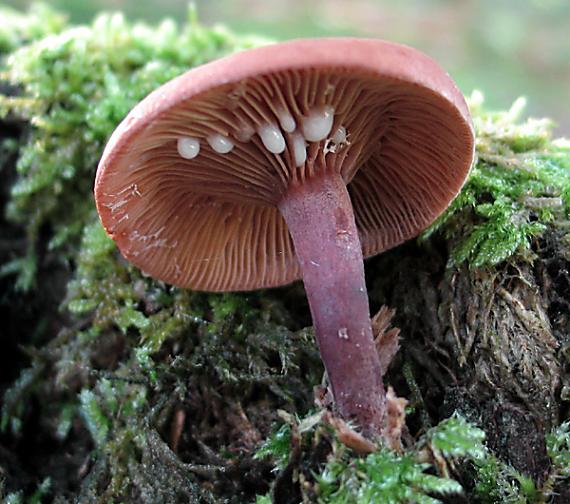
{"type": "Point", "coordinates": [399, 134]}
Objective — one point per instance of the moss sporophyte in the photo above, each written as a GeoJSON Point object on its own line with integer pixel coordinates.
{"type": "Point", "coordinates": [291, 161]}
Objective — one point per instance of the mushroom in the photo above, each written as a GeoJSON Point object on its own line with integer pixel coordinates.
{"type": "Point", "coordinates": [291, 161]}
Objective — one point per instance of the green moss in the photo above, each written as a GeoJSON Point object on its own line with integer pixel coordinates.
{"type": "Point", "coordinates": [94, 417]}
{"type": "Point", "coordinates": [13, 407]}
{"type": "Point", "coordinates": [277, 446]}
{"type": "Point", "coordinates": [385, 476]}
{"type": "Point", "coordinates": [18, 29]}
{"type": "Point", "coordinates": [382, 477]}
{"type": "Point", "coordinates": [40, 495]}
{"type": "Point", "coordinates": [426, 470]}
{"type": "Point", "coordinates": [498, 483]}
{"type": "Point", "coordinates": [558, 446]}
{"type": "Point", "coordinates": [455, 437]}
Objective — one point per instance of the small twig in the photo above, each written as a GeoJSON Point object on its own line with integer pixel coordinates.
{"type": "Point", "coordinates": [537, 203]}
{"type": "Point", "coordinates": [210, 455]}
{"type": "Point", "coordinates": [176, 428]}
{"type": "Point", "coordinates": [348, 436]}
{"type": "Point", "coordinates": [512, 162]}
{"type": "Point", "coordinates": [417, 397]}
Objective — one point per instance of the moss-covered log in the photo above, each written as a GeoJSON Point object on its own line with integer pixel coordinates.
{"type": "Point", "coordinates": [117, 388]}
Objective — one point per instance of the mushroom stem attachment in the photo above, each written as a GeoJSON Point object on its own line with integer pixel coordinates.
{"type": "Point", "coordinates": [321, 222]}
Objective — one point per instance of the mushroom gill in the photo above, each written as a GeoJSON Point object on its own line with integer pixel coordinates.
{"type": "Point", "coordinates": [392, 141]}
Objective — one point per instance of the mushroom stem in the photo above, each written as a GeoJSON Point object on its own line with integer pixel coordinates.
{"type": "Point", "coordinates": [320, 218]}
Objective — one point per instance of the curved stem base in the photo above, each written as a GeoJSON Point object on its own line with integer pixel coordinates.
{"type": "Point", "coordinates": [321, 222]}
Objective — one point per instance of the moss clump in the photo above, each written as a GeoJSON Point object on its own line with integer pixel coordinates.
{"type": "Point", "coordinates": [384, 477]}
{"type": "Point", "coordinates": [137, 391]}
{"type": "Point", "coordinates": [18, 28]}
{"type": "Point", "coordinates": [431, 470]}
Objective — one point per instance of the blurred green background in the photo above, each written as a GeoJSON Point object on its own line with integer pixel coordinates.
{"type": "Point", "coordinates": [506, 48]}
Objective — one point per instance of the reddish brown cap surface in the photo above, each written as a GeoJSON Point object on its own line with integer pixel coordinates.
{"type": "Point", "coordinates": [211, 222]}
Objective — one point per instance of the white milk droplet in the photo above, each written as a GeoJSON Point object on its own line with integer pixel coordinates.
{"type": "Point", "coordinates": [339, 135]}
{"type": "Point", "coordinates": [299, 149]}
{"type": "Point", "coordinates": [317, 125]}
{"type": "Point", "coordinates": [286, 121]}
{"type": "Point", "coordinates": [272, 138]}
{"type": "Point", "coordinates": [188, 147]}
{"type": "Point", "coordinates": [220, 143]}
{"type": "Point", "coordinates": [343, 333]}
